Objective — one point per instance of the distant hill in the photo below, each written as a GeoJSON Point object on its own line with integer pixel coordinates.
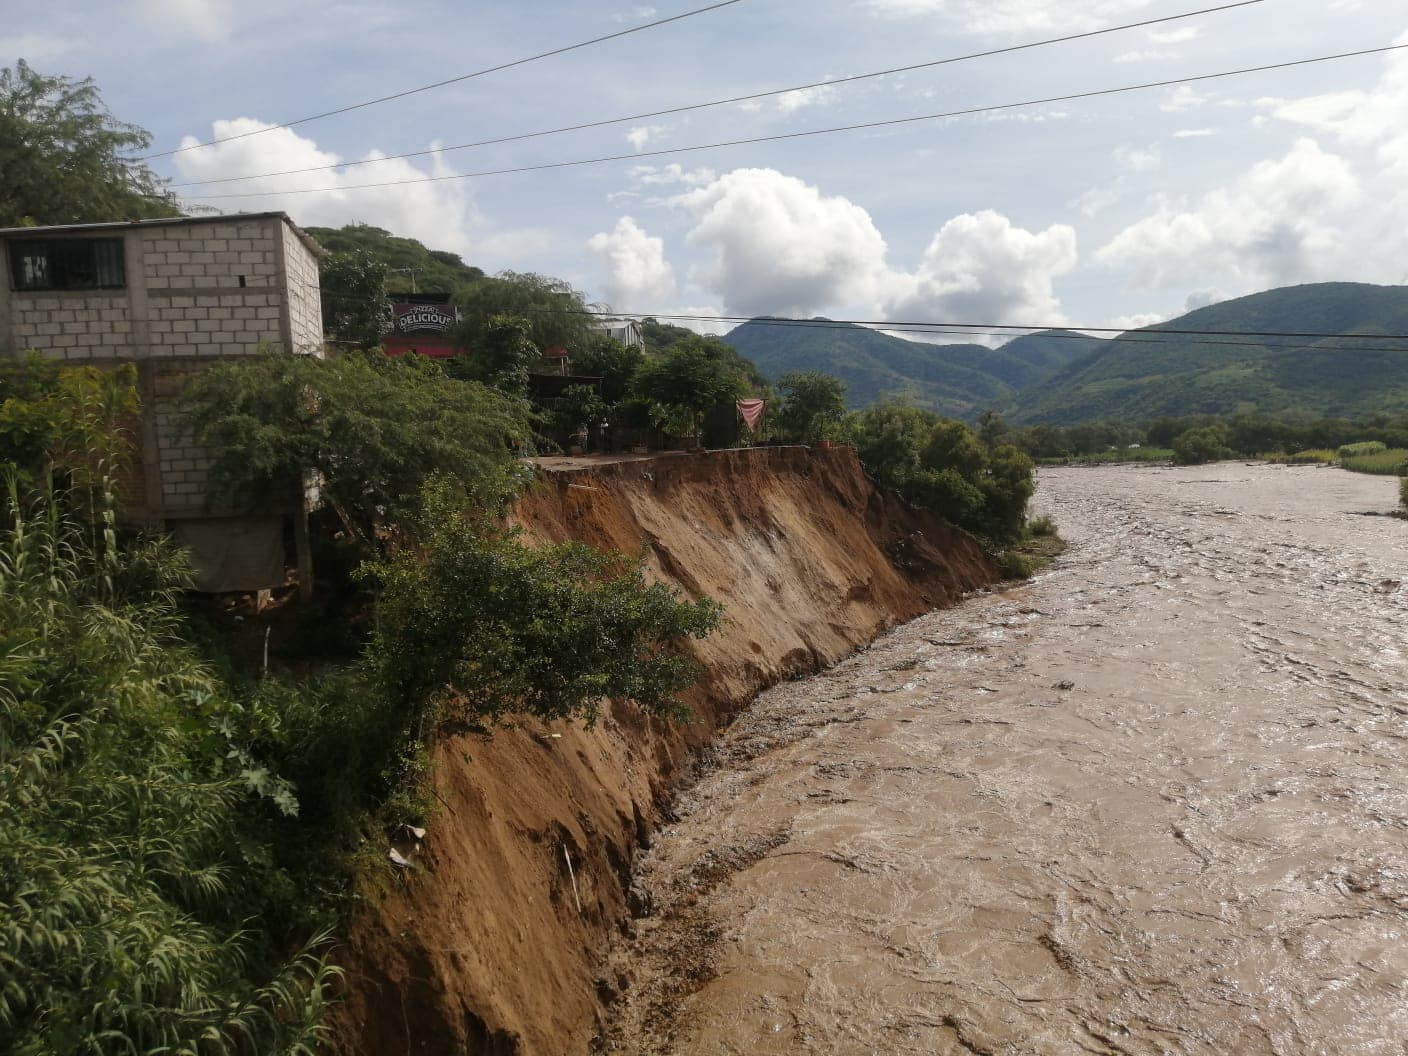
{"type": "Point", "coordinates": [1140, 376]}
{"type": "Point", "coordinates": [435, 270]}
{"type": "Point", "coordinates": [960, 380]}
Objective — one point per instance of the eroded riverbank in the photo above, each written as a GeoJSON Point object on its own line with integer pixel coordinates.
{"type": "Point", "coordinates": [1153, 802]}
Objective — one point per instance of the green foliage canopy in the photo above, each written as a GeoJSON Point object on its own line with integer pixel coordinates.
{"type": "Point", "coordinates": [477, 624]}
{"type": "Point", "coordinates": [940, 465]}
{"type": "Point", "coordinates": [689, 378]}
{"type": "Point", "coordinates": [1196, 446]}
{"type": "Point", "coordinates": [811, 408]}
{"type": "Point", "coordinates": [556, 313]}
{"type": "Point", "coordinates": [127, 817]}
{"type": "Point", "coordinates": [503, 356]}
{"type": "Point", "coordinates": [71, 421]}
{"type": "Point", "coordinates": [373, 429]}
{"type": "Point", "coordinates": [353, 286]}
{"type": "Point", "coordinates": [64, 157]}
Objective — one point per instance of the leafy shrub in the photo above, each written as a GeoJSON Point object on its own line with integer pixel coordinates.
{"type": "Point", "coordinates": [1014, 565]}
{"type": "Point", "coordinates": [689, 378]}
{"type": "Point", "coordinates": [940, 465]}
{"type": "Point", "coordinates": [1195, 446]}
{"type": "Point", "coordinates": [1364, 447]}
{"type": "Point", "coordinates": [1041, 526]}
{"type": "Point", "coordinates": [473, 624]}
{"type": "Point", "coordinates": [1403, 493]}
{"type": "Point", "coordinates": [69, 421]}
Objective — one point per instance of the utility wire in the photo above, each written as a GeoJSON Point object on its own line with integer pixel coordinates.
{"type": "Point", "coordinates": [449, 80]}
{"type": "Point", "coordinates": [1062, 331]}
{"type": "Point", "coordinates": [930, 327]}
{"type": "Point", "coordinates": [732, 99]}
{"type": "Point", "coordinates": [891, 122]}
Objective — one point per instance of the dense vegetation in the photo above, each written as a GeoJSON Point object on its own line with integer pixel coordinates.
{"type": "Point", "coordinates": [1286, 437]}
{"type": "Point", "coordinates": [178, 834]}
{"type": "Point", "coordinates": [940, 464]}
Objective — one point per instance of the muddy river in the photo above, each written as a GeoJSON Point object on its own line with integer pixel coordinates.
{"type": "Point", "coordinates": [1155, 801]}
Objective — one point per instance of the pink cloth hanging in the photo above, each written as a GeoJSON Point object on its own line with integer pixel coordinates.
{"type": "Point", "coordinates": [752, 411]}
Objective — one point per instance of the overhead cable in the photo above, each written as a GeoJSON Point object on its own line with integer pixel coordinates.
{"type": "Point", "coordinates": [864, 125]}
{"type": "Point", "coordinates": [751, 97]}
{"type": "Point", "coordinates": [447, 81]}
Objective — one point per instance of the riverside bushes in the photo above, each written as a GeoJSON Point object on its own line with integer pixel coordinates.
{"type": "Point", "coordinates": [940, 465]}
{"type": "Point", "coordinates": [1206, 444]}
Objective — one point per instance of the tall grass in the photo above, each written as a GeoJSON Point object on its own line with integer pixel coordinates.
{"type": "Point", "coordinates": [125, 873]}
{"type": "Point", "coordinates": [1391, 462]}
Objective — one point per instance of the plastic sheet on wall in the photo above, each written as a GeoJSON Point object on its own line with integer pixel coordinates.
{"type": "Point", "coordinates": [233, 553]}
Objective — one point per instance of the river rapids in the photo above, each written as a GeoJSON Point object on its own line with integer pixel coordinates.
{"type": "Point", "coordinates": [1154, 801]}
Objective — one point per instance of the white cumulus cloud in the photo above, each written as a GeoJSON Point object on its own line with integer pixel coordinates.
{"type": "Point", "coordinates": [981, 267]}
{"type": "Point", "coordinates": [780, 246]}
{"type": "Point", "coordinates": [642, 135]}
{"type": "Point", "coordinates": [638, 276]}
{"type": "Point", "coordinates": [442, 215]}
{"type": "Point", "coordinates": [1275, 224]}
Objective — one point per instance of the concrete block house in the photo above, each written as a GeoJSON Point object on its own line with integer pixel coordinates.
{"type": "Point", "coordinates": [170, 297]}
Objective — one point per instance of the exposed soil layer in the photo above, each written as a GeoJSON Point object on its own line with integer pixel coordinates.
{"type": "Point", "coordinates": [1153, 802]}
{"type": "Point", "coordinates": [484, 948]}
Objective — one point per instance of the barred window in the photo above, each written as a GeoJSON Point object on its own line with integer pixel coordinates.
{"type": "Point", "coordinates": [68, 264]}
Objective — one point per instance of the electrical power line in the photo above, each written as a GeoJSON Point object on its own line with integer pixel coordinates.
{"type": "Point", "coordinates": [888, 123]}
{"type": "Point", "coordinates": [449, 80]}
{"type": "Point", "coordinates": [1071, 332]}
{"type": "Point", "coordinates": [1062, 331]}
{"type": "Point", "coordinates": [730, 100]}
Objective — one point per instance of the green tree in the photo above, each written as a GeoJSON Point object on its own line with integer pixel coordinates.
{"type": "Point", "coordinates": [373, 429]}
{"type": "Point", "coordinates": [66, 160]}
{"type": "Point", "coordinates": [688, 379]}
{"type": "Point", "coordinates": [73, 422]}
{"type": "Point", "coordinates": [579, 407]}
{"type": "Point", "coordinates": [504, 356]}
{"type": "Point", "coordinates": [354, 299]}
{"type": "Point", "coordinates": [557, 315]}
{"type": "Point", "coordinates": [941, 465]}
{"type": "Point", "coordinates": [1206, 444]}
{"type": "Point", "coordinates": [812, 406]}
{"type": "Point", "coordinates": [611, 361]}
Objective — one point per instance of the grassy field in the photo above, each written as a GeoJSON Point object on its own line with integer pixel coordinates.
{"type": "Point", "coordinates": [1390, 463]}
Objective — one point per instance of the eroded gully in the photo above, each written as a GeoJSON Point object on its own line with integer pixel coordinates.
{"type": "Point", "coordinates": [1155, 801]}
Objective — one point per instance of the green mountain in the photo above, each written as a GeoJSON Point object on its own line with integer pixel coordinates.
{"type": "Point", "coordinates": [1141, 375]}
{"type": "Point", "coordinates": [957, 380]}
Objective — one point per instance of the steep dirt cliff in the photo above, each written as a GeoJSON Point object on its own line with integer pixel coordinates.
{"type": "Point", "coordinates": [496, 941]}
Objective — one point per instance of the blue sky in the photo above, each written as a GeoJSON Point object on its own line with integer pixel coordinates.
{"type": "Point", "coordinates": [1110, 211]}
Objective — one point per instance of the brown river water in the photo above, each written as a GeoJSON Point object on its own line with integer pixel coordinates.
{"type": "Point", "coordinates": [1154, 801]}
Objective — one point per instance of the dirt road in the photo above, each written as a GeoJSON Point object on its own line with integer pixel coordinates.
{"type": "Point", "coordinates": [1154, 802]}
